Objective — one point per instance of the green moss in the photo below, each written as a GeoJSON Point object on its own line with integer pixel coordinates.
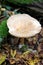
{"type": "Point", "coordinates": [3, 29]}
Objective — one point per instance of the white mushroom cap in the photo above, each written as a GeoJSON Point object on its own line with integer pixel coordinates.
{"type": "Point", "coordinates": [23, 25]}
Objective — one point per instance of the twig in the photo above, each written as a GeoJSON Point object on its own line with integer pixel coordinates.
{"type": "Point", "coordinates": [2, 17]}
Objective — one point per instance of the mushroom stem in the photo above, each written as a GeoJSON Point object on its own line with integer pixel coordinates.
{"type": "Point", "coordinates": [21, 40]}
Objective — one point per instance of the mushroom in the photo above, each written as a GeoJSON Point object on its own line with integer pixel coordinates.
{"type": "Point", "coordinates": [23, 26]}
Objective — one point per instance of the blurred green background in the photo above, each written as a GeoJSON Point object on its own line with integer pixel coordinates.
{"type": "Point", "coordinates": [24, 1]}
{"type": "Point", "coordinates": [21, 1]}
